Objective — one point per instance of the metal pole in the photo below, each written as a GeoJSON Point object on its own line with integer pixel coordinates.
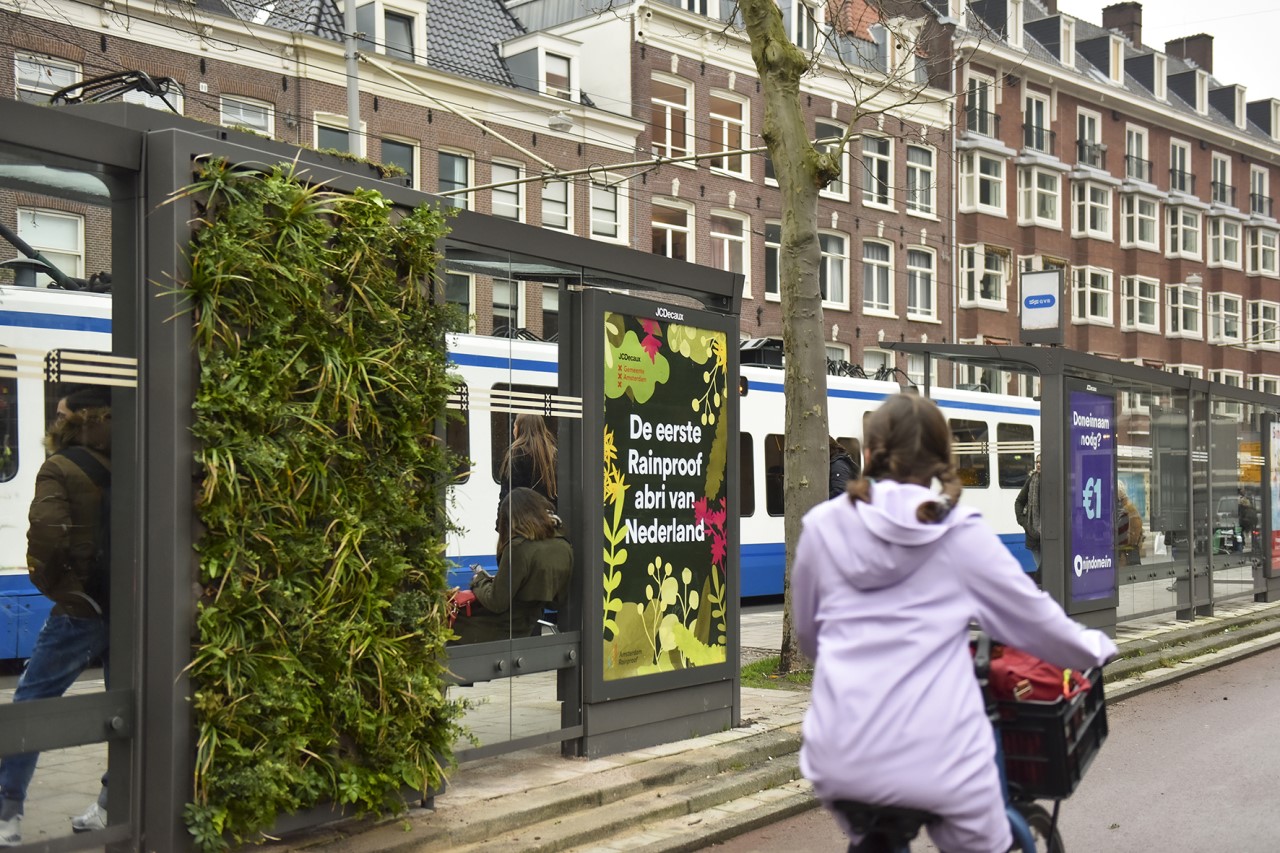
{"type": "Point", "coordinates": [353, 78]}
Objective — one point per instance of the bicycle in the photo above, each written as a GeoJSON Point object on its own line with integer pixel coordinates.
{"type": "Point", "coordinates": [1069, 733]}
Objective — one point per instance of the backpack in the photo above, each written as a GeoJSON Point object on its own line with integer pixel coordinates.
{"type": "Point", "coordinates": [98, 585]}
{"type": "Point", "coordinates": [1022, 677]}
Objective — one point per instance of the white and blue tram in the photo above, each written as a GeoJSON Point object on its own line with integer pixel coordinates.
{"type": "Point", "coordinates": [996, 438]}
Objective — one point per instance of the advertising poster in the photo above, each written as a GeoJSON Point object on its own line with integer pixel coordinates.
{"type": "Point", "coordinates": [666, 445]}
{"type": "Point", "coordinates": [1273, 459]}
{"type": "Point", "coordinates": [1091, 469]}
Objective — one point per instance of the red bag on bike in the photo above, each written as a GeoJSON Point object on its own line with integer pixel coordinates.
{"type": "Point", "coordinates": [1019, 676]}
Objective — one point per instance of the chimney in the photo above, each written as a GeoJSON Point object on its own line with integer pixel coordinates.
{"type": "Point", "coordinates": [1198, 48]}
{"type": "Point", "coordinates": [1125, 17]}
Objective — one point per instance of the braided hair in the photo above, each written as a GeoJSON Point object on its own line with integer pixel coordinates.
{"type": "Point", "coordinates": [907, 440]}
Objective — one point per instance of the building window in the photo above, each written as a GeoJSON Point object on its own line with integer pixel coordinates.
{"type": "Point", "coordinates": [671, 232]}
{"type": "Point", "coordinates": [550, 312]}
{"type": "Point", "coordinates": [1262, 252]}
{"type": "Point", "coordinates": [508, 201]}
{"type": "Point", "coordinates": [877, 293]}
{"type": "Point", "coordinates": [393, 34]}
{"type": "Point", "coordinates": [1136, 163]}
{"type": "Point", "coordinates": [984, 275]}
{"type": "Point", "coordinates": [876, 363]}
{"type": "Point", "coordinates": [980, 117]}
{"type": "Point", "coordinates": [257, 116]}
{"type": "Point", "coordinates": [171, 102]}
{"type": "Point", "coordinates": [606, 212]}
{"type": "Point", "coordinates": [772, 244]}
{"type": "Point", "coordinates": [1141, 297]}
{"type": "Point", "coordinates": [1224, 242]}
{"type": "Point", "coordinates": [1092, 204]}
{"type": "Point", "coordinates": [921, 285]}
{"type": "Point", "coordinates": [330, 138]}
{"type": "Point", "coordinates": [1259, 191]}
{"type": "Point", "coordinates": [38, 77]}
{"type": "Point", "coordinates": [728, 133]}
{"type": "Point", "coordinates": [1093, 296]}
{"type": "Point", "coordinates": [1089, 151]}
{"type": "Point", "coordinates": [1220, 185]}
{"type": "Point", "coordinates": [920, 178]}
{"type": "Point", "coordinates": [57, 236]}
{"type": "Point", "coordinates": [404, 155]}
{"type": "Point", "coordinates": [1265, 383]}
{"type": "Point", "coordinates": [670, 118]}
{"type": "Point", "coordinates": [557, 76]}
{"type": "Point", "coordinates": [916, 370]}
{"type": "Point", "coordinates": [1183, 224]}
{"type": "Point", "coordinates": [399, 35]}
{"type": "Point", "coordinates": [806, 17]}
{"type": "Point", "coordinates": [1180, 178]}
{"type": "Point", "coordinates": [1038, 194]}
{"type": "Point", "coordinates": [507, 309]}
{"type": "Point", "coordinates": [729, 243]}
{"type": "Point", "coordinates": [1224, 318]}
{"type": "Point", "coordinates": [1184, 311]}
{"type": "Point", "coordinates": [459, 290]}
{"type": "Point", "coordinates": [833, 270]}
{"type": "Point", "coordinates": [557, 209]}
{"type": "Point", "coordinates": [877, 171]}
{"type": "Point", "coordinates": [455, 174]}
{"type": "Point", "coordinates": [1141, 222]}
{"type": "Point", "coordinates": [1264, 325]}
{"type": "Point", "coordinates": [1035, 126]}
{"type": "Point", "coordinates": [839, 188]}
{"type": "Point", "coordinates": [981, 183]}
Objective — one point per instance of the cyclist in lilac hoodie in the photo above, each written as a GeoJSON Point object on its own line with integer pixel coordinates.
{"type": "Point", "coordinates": [886, 582]}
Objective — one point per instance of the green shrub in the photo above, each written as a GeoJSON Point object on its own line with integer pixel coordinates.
{"type": "Point", "coordinates": [319, 655]}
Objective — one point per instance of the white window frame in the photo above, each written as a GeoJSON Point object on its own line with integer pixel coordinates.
{"type": "Point", "coordinates": [978, 264]}
{"type": "Point", "coordinates": [466, 201]}
{"type": "Point", "coordinates": [1091, 210]}
{"type": "Point", "coordinates": [568, 204]}
{"type": "Point", "coordinates": [1133, 217]}
{"type": "Point", "coordinates": [470, 280]}
{"type": "Point", "coordinates": [601, 187]}
{"type": "Point", "coordinates": [1264, 325]}
{"type": "Point", "coordinates": [1139, 292]}
{"type": "Point", "coordinates": [1259, 191]}
{"type": "Point", "coordinates": [1226, 318]}
{"type": "Point", "coordinates": [1180, 177]}
{"type": "Point", "coordinates": [877, 280]}
{"type": "Point", "coordinates": [1160, 74]}
{"type": "Point", "coordinates": [1225, 243]}
{"type": "Point", "coordinates": [1266, 383]}
{"type": "Point", "coordinates": [512, 197]}
{"type": "Point", "coordinates": [874, 360]}
{"type": "Point", "coordinates": [731, 247]}
{"type": "Point", "coordinates": [1031, 195]}
{"type": "Point", "coordinates": [877, 172]}
{"type": "Point", "coordinates": [835, 268]}
{"type": "Point", "coordinates": [673, 113]}
{"type": "Point", "coordinates": [1220, 179]}
{"type": "Point", "coordinates": [517, 290]}
{"type": "Point", "coordinates": [1092, 296]}
{"type": "Point", "coordinates": [1193, 371]}
{"type": "Point", "coordinates": [377, 40]}
{"type": "Point", "coordinates": [776, 249]}
{"type": "Point", "coordinates": [825, 128]}
{"type": "Point", "coordinates": [1181, 222]}
{"type": "Point", "coordinates": [41, 76]}
{"type": "Point", "coordinates": [173, 95]}
{"type": "Point", "coordinates": [1263, 251]}
{"type": "Point", "coordinates": [922, 281]}
{"type": "Point", "coordinates": [416, 155]}
{"type": "Point", "coordinates": [975, 183]}
{"type": "Point", "coordinates": [1089, 149]}
{"type": "Point", "coordinates": [729, 133]}
{"type": "Point", "coordinates": [30, 234]}
{"type": "Point", "coordinates": [243, 106]}
{"type": "Point", "coordinates": [1036, 123]}
{"type": "Point", "coordinates": [921, 179]}
{"type": "Point", "coordinates": [1185, 311]}
{"type": "Point", "coordinates": [806, 23]}
{"type": "Point", "coordinates": [568, 91]}
{"type": "Point", "coordinates": [670, 229]}
{"type": "Point", "coordinates": [1136, 141]}
{"type": "Point", "coordinates": [340, 124]}
{"type": "Point", "coordinates": [916, 370]}
{"type": "Point", "coordinates": [980, 104]}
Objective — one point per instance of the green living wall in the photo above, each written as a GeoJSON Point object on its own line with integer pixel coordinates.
{"type": "Point", "coordinates": [319, 656]}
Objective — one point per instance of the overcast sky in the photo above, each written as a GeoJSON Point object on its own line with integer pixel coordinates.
{"type": "Point", "coordinates": [1245, 32]}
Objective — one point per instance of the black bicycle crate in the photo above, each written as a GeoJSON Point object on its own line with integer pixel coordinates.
{"type": "Point", "coordinates": [1049, 745]}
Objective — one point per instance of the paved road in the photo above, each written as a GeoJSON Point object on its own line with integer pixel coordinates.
{"type": "Point", "coordinates": [1188, 768]}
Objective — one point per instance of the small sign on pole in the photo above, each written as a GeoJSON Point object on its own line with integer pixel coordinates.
{"type": "Point", "coordinates": [1041, 310]}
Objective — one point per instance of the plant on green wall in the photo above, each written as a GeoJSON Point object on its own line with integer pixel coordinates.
{"type": "Point", "coordinates": [318, 661]}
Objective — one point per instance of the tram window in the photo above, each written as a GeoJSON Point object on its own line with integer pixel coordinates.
{"type": "Point", "coordinates": [500, 422]}
{"type": "Point", "coordinates": [1015, 454]}
{"type": "Point", "coordinates": [746, 475]}
{"type": "Point", "coordinates": [457, 437]}
{"type": "Point", "coordinates": [56, 363]}
{"type": "Point", "coordinates": [969, 445]}
{"type": "Point", "coordinates": [773, 474]}
{"type": "Point", "coordinates": [8, 416]}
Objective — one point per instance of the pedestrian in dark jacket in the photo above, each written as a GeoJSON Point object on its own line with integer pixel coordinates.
{"type": "Point", "coordinates": [535, 563]}
{"type": "Point", "coordinates": [1026, 509]}
{"type": "Point", "coordinates": [530, 462]}
{"type": "Point", "coordinates": [62, 560]}
{"type": "Point", "coordinates": [844, 469]}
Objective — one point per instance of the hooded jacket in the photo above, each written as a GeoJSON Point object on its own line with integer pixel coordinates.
{"type": "Point", "coordinates": [63, 520]}
{"type": "Point", "coordinates": [883, 604]}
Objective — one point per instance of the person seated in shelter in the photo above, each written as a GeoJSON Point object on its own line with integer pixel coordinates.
{"type": "Point", "coordinates": [535, 563]}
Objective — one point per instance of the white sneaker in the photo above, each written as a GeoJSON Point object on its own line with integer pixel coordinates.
{"type": "Point", "coordinates": [93, 819]}
{"type": "Point", "coordinates": [11, 831]}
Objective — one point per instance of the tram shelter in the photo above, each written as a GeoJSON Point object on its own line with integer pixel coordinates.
{"type": "Point", "coordinates": [1126, 444]}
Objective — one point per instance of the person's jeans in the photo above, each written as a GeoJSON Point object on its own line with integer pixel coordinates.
{"type": "Point", "coordinates": [64, 649]}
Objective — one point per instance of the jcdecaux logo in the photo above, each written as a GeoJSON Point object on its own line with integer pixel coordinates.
{"type": "Point", "coordinates": [1040, 300]}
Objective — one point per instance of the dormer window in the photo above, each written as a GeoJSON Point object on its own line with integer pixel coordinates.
{"type": "Point", "coordinates": [1242, 120]}
{"type": "Point", "coordinates": [1202, 92]}
{"type": "Point", "coordinates": [556, 76]}
{"type": "Point", "coordinates": [1161, 77]}
{"type": "Point", "coordinates": [544, 63]}
{"type": "Point", "coordinates": [806, 17]}
{"type": "Point", "coordinates": [1067, 44]}
{"type": "Point", "coordinates": [1014, 35]}
{"type": "Point", "coordinates": [1116, 65]}
{"type": "Point", "coordinates": [391, 29]}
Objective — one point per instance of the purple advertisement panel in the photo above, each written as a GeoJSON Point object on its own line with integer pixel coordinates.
{"type": "Point", "coordinates": [1091, 479]}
